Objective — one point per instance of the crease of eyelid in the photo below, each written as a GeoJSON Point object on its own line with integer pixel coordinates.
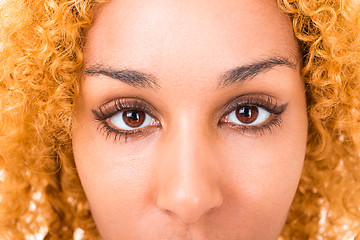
{"type": "Point", "coordinates": [113, 107]}
{"type": "Point", "coordinates": [265, 101]}
{"type": "Point", "coordinates": [270, 104]}
{"type": "Point", "coordinates": [108, 130]}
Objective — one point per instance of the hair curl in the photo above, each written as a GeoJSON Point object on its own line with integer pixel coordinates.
{"type": "Point", "coordinates": [41, 58]}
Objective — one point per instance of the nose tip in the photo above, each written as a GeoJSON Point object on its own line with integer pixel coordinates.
{"type": "Point", "coordinates": [189, 204]}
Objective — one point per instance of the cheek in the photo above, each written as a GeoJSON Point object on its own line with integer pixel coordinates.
{"type": "Point", "coordinates": [263, 172]}
{"type": "Point", "coordinates": [261, 181]}
{"type": "Point", "coordinates": [264, 168]}
{"type": "Point", "coordinates": [113, 176]}
{"type": "Point", "coordinates": [259, 176]}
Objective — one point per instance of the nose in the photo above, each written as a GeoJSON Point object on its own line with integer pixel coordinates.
{"type": "Point", "coordinates": [188, 177]}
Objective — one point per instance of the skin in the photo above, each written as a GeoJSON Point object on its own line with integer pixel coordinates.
{"type": "Point", "coordinates": [186, 176]}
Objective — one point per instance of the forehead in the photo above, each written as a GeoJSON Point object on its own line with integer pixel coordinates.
{"type": "Point", "coordinates": [197, 36]}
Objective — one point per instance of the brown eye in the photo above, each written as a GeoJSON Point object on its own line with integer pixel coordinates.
{"type": "Point", "coordinates": [133, 118]}
{"type": "Point", "coordinates": [247, 114]}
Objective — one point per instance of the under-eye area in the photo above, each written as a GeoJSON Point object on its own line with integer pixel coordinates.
{"type": "Point", "coordinates": [133, 118]}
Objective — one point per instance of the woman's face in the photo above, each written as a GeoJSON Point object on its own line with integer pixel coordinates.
{"type": "Point", "coordinates": [191, 121]}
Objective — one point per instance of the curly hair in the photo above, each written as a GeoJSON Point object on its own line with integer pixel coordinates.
{"type": "Point", "coordinates": [41, 59]}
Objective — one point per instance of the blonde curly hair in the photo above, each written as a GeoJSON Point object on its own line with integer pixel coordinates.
{"type": "Point", "coordinates": [41, 59]}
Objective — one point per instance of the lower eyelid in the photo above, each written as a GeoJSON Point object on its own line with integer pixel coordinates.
{"type": "Point", "coordinates": [248, 125]}
{"type": "Point", "coordinates": [108, 130]}
{"type": "Point", "coordinates": [155, 123]}
{"type": "Point", "coordinates": [274, 122]}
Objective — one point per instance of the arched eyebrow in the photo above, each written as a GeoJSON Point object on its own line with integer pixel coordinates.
{"type": "Point", "coordinates": [133, 78]}
{"type": "Point", "coordinates": [139, 79]}
{"type": "Point", "coordinates": [247, 72]}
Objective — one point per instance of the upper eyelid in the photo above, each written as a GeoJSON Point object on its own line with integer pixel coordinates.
{"type": "Point", "coordinates": [228, 107]}
{"type": "Point", "coordinates": [235, 102]}
{"type": "Point", "coordinates": [114, 106]}
{"type": "Point", "coordinates": [256, 96]}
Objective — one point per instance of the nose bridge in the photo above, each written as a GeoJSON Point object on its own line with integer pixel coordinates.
{"type": "Point", "coordinates": [188, 185]}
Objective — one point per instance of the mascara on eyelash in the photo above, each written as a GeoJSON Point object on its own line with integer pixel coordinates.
{"type": "Point", "coordinates": [269, 104]}
{"type": "Point", "coordinates": [104, 112]}
{"type": "Point", "coordinates": [261, 101]}
{"type": "Point", "coordinates": [108, 110]}
{"type": "Point", "coordinates": [107, 130]}
{"type": "Point", "coordinates": [276, 121]}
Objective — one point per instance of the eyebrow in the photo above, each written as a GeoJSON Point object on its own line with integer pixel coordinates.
{"type": "Point", "coordinates": [234, 76]}
{"type": "Point", "coordinates": [247, 72]}
{"type": "Point", "coordinates": [133, 78]}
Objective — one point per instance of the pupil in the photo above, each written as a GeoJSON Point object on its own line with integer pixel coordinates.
{"type": "Point", "coordinates": [247, 114]}
{"type": "Point", "coordinates": [133, 115]}
{"type": "Point", "coordinates": [134, 118]}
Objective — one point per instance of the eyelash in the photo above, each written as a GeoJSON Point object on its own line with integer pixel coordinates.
{"type": "Point", "coordinates": [261, 101]}
{"type": "Point", "coordinates": [103, 112]}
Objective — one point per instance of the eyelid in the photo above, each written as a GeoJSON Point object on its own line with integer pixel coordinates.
{"type": "Point", "coordinates": [265, 101]}
{"type": "Point", "coordinates": [109, 109]}
{"type": "Point", "coordinates": [104, 112]}
{"type": "Point", "coordinates": [260, 116]}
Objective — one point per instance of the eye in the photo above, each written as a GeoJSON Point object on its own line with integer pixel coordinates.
{"type": "Point", "coordinates": [132, 119]}
{"type": "Point", "coordinates": [126, 118]}
{"type": "Point", "coordinates": [248, 115]}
